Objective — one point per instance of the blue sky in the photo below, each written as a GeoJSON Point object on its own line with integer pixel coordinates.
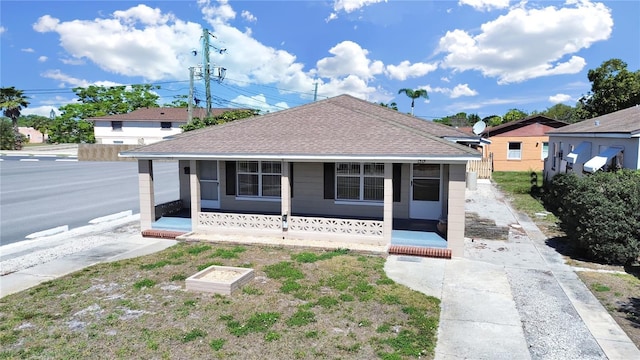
{"type": "Point", "coordinates": [474, 56]}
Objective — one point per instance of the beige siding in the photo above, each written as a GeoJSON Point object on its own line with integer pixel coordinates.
{"type": "Point", "coordinates": [531, 153]}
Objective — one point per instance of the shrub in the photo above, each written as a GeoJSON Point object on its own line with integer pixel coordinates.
{"type": "Point", "coordinates": [601, 213]}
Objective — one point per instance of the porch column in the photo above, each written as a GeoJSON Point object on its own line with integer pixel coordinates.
{"type": "Point", "coordinates": [194, 187]}
{"type": "Point", "coordinates": [285, 194]}
{"type": "Point", "coordinates": [387, 213]}
{"type": "Point", "coordinates": [455, 216]}
{"type": "Point", "coordinates": [147, 199]}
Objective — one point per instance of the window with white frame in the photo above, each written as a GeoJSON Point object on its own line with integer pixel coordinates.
{"type": "Point", "coordinates": [259, 178]}
{"type": "Point", "coordinates": [359, 181]}
{"type": "Point", "coordinates": [515, 151]}
{"type": "Point", "coordinates": [116, 125]}
{"type": "Point", "coordinates": [545, 150]}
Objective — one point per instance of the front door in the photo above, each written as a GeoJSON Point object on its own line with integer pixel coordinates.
{"type": "Point", "coordinates": [426, 191]}
{"type": "Point", "coordinates": [209, 185]}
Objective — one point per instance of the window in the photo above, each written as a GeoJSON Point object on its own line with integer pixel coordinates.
{"type": "Point", "coordinates": [165, 125]}
{"type": "Point", "coordinates": [515, 151]}
{"type": "Point", "coordinates": [259, 178]}
{"type": "Point", "coordinates": [116, 125]}
{"type": "Point", "coordinates": [360, 181]}
{"type": "Point", "coordinates": [426, 182]}
{"type": "Point", "coordinates": [545, 150]}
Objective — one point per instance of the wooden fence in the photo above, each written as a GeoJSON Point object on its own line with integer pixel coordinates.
{"type": "Point", "coordinates": [483, 167]}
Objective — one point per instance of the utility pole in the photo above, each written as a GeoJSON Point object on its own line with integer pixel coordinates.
{"type": "Point", "coordinates": [207, 69]}
{"type": "Point", "coordinates": [315, 92]}
{"type": "Point", "coordinates": [190, 107]}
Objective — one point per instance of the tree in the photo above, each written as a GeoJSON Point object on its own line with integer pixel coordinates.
{"type": "Point", "coordinates": [562, 112]}
{"type": "Point", "coordinates": [492, 120]}
{"type": "Point", "coordinates": [71, 126]}
{"type": "Point", "coordinates": [12, 101]}
{"type": "Point", "coordinates": [101, 101]}
{"type": "Point", "coordinates": [613, 88]}
{"type": "Point", "coordinates": [179, 101]}
{"type": "Point", "coordinates": [413, 95]}
{"type": "Point", "coordinates": [7, 137]}
{"type": "Point", "coordinates": [225, 117]}
{"type": "Point", "coordinates": [392, 105]}
{"type": "Point", "coordinates": [514, 115]}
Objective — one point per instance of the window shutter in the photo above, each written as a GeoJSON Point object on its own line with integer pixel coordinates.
{"type": "Point", "coordinates": [397, 182]}
{"type": "Point", "coordinates": [230, 176]}
{"type": "Point", "coordinates": [329, 180]}
{"type": "Point", "coordinates": [291, 178]}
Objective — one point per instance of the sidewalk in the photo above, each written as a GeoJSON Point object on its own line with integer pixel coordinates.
{"type": "Point", "coordinates": [28, 263]}
{"type": "Point", "coordinates": [61, 150]}
{"type": "Point", "coordinates": [513, 299]}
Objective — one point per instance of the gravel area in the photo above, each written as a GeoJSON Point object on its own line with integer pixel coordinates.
{"type": "Point", "coordinates": [552, 327]}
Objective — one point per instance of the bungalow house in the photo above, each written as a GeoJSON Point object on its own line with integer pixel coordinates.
{"type": "Point", "coordinates": [520, 145]}
{"type": "Point", "coordinates": [144, 125]}
{"type": "Point", "coordinates": [337, 169]}
{"type": "Point", "coordinates": [605, 142]}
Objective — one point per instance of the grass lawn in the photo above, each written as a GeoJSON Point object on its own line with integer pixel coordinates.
{"type": "Point", "coordinates": [617, 289]}
{"type": "Point", "coordinates": [301, 304]}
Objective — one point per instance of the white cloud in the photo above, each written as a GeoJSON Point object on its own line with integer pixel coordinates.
{"type": "Point", "coordinates": [485, 4]}
{"type": "Point", "coordinates": [406, 70]}
{"type": "Point", "coordinates": [529, 43]}
{"type": "Point", "coordinates": [259, 102]}
{"type": "Point", "coordinates": [445, 79]}
{"type": "Point", "coordinates": [42, 58]}
{"type": "Point", "coordinates": [559, 98]}
{"type": "Point", "coordinates": [28, 50]}
{"type": "Point", "coordinates": [73, 82]}
{"type": "Point", "coordinates": [349, 59]}
{"type": "Point", "coordinates": [248, 16]}
{"type": "Point", "coordinates": [462, 90]}
{"type": "Point", "coordinates": [44, 110]}
{"type": "Point", "coordinates": [220, 14]}
{"type": "Point", "coordinates": [2, 29]}
{"type": "Point", "coordinates": [349, 6]}
{"type": "Point", "coordinates": [72, 61]}
{"type": "Point", "coordinates": [140, 41]}
{"type": "Point", "coordinates": [458, 91]}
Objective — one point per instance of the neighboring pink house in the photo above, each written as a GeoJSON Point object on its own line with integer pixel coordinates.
{"type": "Point", "coordinates": [337, 169]}
{"type": "Point", "coordinates": [34, 136]}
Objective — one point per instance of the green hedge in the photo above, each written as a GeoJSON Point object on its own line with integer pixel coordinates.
{"type": "Point", "coordinates": [600, 212]}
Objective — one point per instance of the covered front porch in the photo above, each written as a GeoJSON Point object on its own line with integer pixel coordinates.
{"type": "Point", "coordinates": [405, 232]}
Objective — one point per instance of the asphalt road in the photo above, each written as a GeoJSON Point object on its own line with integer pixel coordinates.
{"type": "Point", "coordinates": [40, 195]}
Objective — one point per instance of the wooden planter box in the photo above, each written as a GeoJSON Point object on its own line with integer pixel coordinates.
{"type": "Point", "coordinates": [219, 279]}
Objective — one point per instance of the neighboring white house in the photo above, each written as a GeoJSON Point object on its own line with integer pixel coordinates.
{"type": "Point", "coordinates": [608, 141]}
{"type": "Point", "coordinates": [143, 126]}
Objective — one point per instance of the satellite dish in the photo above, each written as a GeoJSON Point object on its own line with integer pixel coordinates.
{"type": "Point", "coordinates": [479, 127]}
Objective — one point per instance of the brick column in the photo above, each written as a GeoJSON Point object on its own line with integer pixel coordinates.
{"type": "Point", "coordinates": [194, 185]}
{"type": "Point", "coordinates": [387, 212]}
{"type": "Point", "coordinates": [456, 217]}
{"type": "Point", "coordinates": [147, 198]}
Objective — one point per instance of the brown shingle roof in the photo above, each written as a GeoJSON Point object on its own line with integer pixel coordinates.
{"type": "Point", "coordinates": [159, 114]}
{"type": "Point", "coordinates": [621, 121]}
{"type": "Point", "coordinates": [541, 119]}
{"type": "Point", "coordinates": [339, 126]}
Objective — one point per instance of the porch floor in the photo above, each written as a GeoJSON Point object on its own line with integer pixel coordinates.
{"type": "Point", "coordinates": [406, 232]}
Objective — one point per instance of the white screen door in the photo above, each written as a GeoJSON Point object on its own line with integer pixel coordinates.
{"type": "Point", "coordinates": [426, 191]}
{"type": "Point", "coordinates": [209, 185]}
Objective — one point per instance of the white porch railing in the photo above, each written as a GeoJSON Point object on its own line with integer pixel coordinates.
{"type": "Point", "coordinates": [332, 226]}
{"type": "Point", "coordinates": [247, 222]}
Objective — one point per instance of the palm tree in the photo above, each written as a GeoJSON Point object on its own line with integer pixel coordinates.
{"type": "Point", "coordinates": [11, 102]}
{"type": "Point", "coordinates": [414, 94]}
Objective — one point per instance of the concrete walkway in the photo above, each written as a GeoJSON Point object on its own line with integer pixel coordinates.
{"type": "Point", "coordinates": [513, 299]}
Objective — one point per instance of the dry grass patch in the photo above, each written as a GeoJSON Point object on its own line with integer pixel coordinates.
{"type": "Point", "coordinates": [301, 305]}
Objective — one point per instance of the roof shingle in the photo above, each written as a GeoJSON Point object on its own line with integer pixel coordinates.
{"type": "Point", "coordinates": [159, 114]}
{"type": "Point", "coordinates": [621, 121]}
{"type": "Point", "coordinates": [339, 126]}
